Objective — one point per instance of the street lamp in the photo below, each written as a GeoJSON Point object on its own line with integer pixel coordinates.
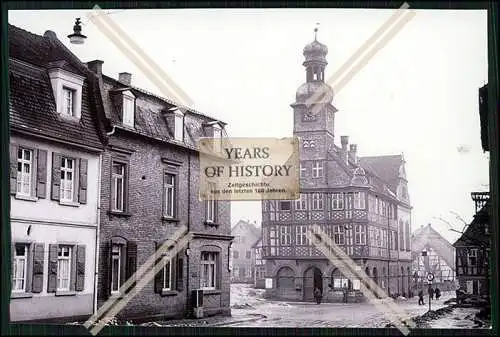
{"type": "Point", "coordinates": [77, 37]}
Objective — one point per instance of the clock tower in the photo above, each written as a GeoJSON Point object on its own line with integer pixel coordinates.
{"type": "Point", "coordinates": [313, 109]}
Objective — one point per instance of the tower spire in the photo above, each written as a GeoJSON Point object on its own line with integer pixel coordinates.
{"type": "Point", "coordinates": [316, 31]}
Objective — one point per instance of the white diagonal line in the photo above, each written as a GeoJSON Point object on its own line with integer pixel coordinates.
{"type": "Point", "coordinates": [348, 268]}
{"type": "Point", "coordinates": [135, 54]}
{"type": "Point", "coordinates": [142, 269]}
{"type": "Point", "coordinates": [142, 283]}
{"type": "Point", "coordinates": [354, 58]}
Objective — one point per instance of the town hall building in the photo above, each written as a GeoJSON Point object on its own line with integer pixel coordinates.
{"type": "Point", "coordinates": [362, 203]}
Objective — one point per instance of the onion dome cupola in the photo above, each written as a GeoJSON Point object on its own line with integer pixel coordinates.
{"type": "Point", "coordinates": [315, 64]}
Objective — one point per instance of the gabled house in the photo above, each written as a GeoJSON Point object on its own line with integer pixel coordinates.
{"type": "Point", "coordinates": [259, 265]}
{"type": "Point", "coordinates": [432, 253]}
{"type": "Point", "coordinates": [55, 145]}
{"type": "Point", "coordinates": [149, 189]}
{"type": "Point", "coordinates": [473, 250]}
{"type": "Point", "coordinates": [245, 235]}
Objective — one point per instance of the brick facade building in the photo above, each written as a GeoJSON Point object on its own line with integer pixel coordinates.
{"type": "Point", "coordinates": [149, 188]}
{"type": "Point", "coordinates": [362, 203]}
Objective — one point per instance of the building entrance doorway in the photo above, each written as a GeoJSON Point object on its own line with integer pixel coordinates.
{"type": "Point", "coordinates": [313, 278]}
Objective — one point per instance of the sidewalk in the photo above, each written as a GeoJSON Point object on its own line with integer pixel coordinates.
{"type": "Point", "coordinates": [208, 321]}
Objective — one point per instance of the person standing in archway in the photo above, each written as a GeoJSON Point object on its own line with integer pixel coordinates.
{"type": "Point", "coordinates": [318, 295]}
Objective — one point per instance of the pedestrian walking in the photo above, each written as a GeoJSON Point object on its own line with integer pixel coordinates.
{"type": "Point", "coordinates": [421, 297]}
{"type": "Point", "coordinates": [438, 293]}
{"type": "Point", "coordinates": [317, 295]}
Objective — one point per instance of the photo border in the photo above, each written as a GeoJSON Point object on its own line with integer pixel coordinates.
{"type": "Point", "coordinates": [72, 330]}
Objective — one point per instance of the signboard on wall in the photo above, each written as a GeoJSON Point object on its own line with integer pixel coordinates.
{"type": "Point", "coordinates": [269, 283]}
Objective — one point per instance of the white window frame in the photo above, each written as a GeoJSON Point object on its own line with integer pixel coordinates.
{"type": "Point", "coordinates": [337, 201]}
{"type": "Point", "coordinates": [301, 204]}
{"type": "Point", "coordinates": [170, 190]}
{"type": "Point", "coordinates": [115, 248]}
{"type": "Point", "coordinates": [60, 79]}
{"type": "Point", "coordinates": [339, 234]}
{"type": "Point", "coordinates": [68, 105]}
{"type": "Point", "coordinates": [303, 170]}
{"type": "Point", "coordinates": [273, 240]}
{"type": "Point", "coordinates": [128, 109]}
{"type": "Point", "coordinates": [359, 200]}
{"type": "Point", "coordinates": [360, 235]}
{"type": "Point", "coordinates": [472, 253]}
{"type": "Point", "coordinates": [300, 235]}
{"type": "Point", "coordinates": [179, 126]}
{"type": "Point", "coordinates": [24, 179]}
{"type": "Point", "coordinates": [317, 169]}
{"type": "Point", "coordinates": [209, 259]}
{"type": "Point", "coordinates": [118, 177]}
{"type": "Point", "coordinates": [65, 182]}
{"type": "Point", "coordinates": [60, 260]}
{"type": "Point", "coordinates": [285, 235]}
{"type": "Point", "coordinates": [211, 208]}
{"type": "Point", "coordinates": [15, 267]}
{"type": "Point", "coordinates": [317, 201]}
{"type": "Point", "coordinates": [167, 281]}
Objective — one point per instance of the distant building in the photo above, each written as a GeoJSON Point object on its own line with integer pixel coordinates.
{"type": "Point", "coordinates": [473, 249]}
{"type": "Point", "coordinates": [259, 265]}
{"type": "Point", "coordinates": [432, 253]}
{"type": "Point", "coordinates": [245, 235]}
{"type": "Point", "coordinates": [362, 203]}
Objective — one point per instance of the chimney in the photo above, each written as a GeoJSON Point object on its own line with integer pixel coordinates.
{"type": "Point", "coordinates": [50, 34]}
{"type": "Point", "coordinates": [125, 78]}
{"type": "Point", "coordinates": [353, 149]}
{"type": "Point", "coordinates": [344, 140]}
{"type": "Point", "coordinates": [96, 67]}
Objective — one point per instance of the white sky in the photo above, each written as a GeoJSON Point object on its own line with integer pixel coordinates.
{"type": "Point", "coordinates": [419, 95]}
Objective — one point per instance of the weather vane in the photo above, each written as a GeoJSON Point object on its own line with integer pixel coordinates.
{"type": "Point", "coordinates": [316, 31]}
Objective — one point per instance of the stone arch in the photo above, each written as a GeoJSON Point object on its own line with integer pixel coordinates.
{"type": "Point", "coordinates": [302, 270]}
{"type": "Point", "coordinates": [276, 268]}
{"type": "Point", "coordinates": [285, 278]}
{"type": "Point", "coordinates": [312, 279]}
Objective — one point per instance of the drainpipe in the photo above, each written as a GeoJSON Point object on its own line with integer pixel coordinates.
{"type": "Point", "coordinates": [112, 131]}
{"type": "Point", "coordinates": [188, 226]}
{"type": "Point", "coordinates": [98, 225]}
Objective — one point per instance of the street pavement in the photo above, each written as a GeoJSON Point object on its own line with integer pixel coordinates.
{"type": "Point", "coordinates": [246, 301]}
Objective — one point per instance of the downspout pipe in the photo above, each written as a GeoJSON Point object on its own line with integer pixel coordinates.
{"type": "Point", "coordinates": [112, 131]}
{"type": "Point", "coordinates": [98, 229]}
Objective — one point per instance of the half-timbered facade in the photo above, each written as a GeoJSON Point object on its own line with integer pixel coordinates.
{"type": "Point", "coordinates": [362, 203]}
{"type": "Point", "coordinates": [472, 250]}
{"type": "Point", "coordinates": [259, 265]}
{"type": "Point", "coordinates": [55, 148]}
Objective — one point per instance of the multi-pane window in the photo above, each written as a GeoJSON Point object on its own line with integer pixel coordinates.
{"type": "Point", "coordinates": [301, 238]}
{"type": "Point", "coordinates": [339, 234]}
{"type": "Point", "coordinates": [167, 276]}
{"type": "Point", "coordinates": [401, 235]}
{"type": "Point", "coordinates": [118, 177]}
{"type": "Point", "coordinates": [116, 257]}
{"type": "Point", "coordinates": [317, 201]}
{"type": "Point", "coordinates": [64, 267]}
{"type": "Point", "coordinates": [302, 170]}
{"type": "Point", "coordinates": [301, 204]}
{"type": "Point", "coordinates": [285, 235]}
{"type": "Point", "coordinates": [20, 268]}
{"type": "Point", "coordinates": [384, 238]}
{"type": "Point", "coordinates": [128, 111]}
{"type": "Point", "coordinates": [472, 257]}
{"type": "Point", "coordinates": [248, 254]}
{"type": "Point", "coordinates": [317, 169]}
{"type": "Point", "coordinates": [170, 195]}
{"type": "Point", "coordinates": [394, 240]}
{"type": "Point", "coordinates": [67, 179]}
{"type": "Point", "coordinates": [24, 171]}
{"type": "Point", "coordinates": [273, 240]}
{"type": "Point", "coordinates": [236, 254]}
{"type": "Point", "coordinates": [208, 270]}
{"type": "Point", "coordinates": [68, 106]}
{"type": "Point", "coordinates": [359, 200]}
{"type": "Point", "coordinates": [211, 207]}
{"type": "Point", "coordinates": [377, 208]}
{"type": "Point", "coordinates": [179, 128]}
{"type": "Point", "coordinates": [360, 235]}
{"type": "Point", "coordinates": [337, 201]}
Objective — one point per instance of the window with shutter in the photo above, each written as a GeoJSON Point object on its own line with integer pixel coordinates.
{"type": "Point", "coordinates": [20, 268]}
{"type": "Point", "coordinates": [38, 262]}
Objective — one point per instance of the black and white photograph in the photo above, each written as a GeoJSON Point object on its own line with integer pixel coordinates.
{"type": "Point", "coordinates": [391, 225]}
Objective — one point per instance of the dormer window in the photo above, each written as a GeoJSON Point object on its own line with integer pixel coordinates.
{"type": "Point", "coordinates": [67, 88]}
{"type": "Point", "coordinates": [179, 125]}
{"type": "Point", "coordinates": [128, 109]}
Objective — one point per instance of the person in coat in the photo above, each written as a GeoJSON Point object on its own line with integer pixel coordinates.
{"type": "Point", "coordinates": [438, 293]}
{"type": "Point", "coordinates": [431, 293]}
{"type": "Point", "coordinates": [421, 297]}
{"type": "Point", "coordinates": [317, 295]}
